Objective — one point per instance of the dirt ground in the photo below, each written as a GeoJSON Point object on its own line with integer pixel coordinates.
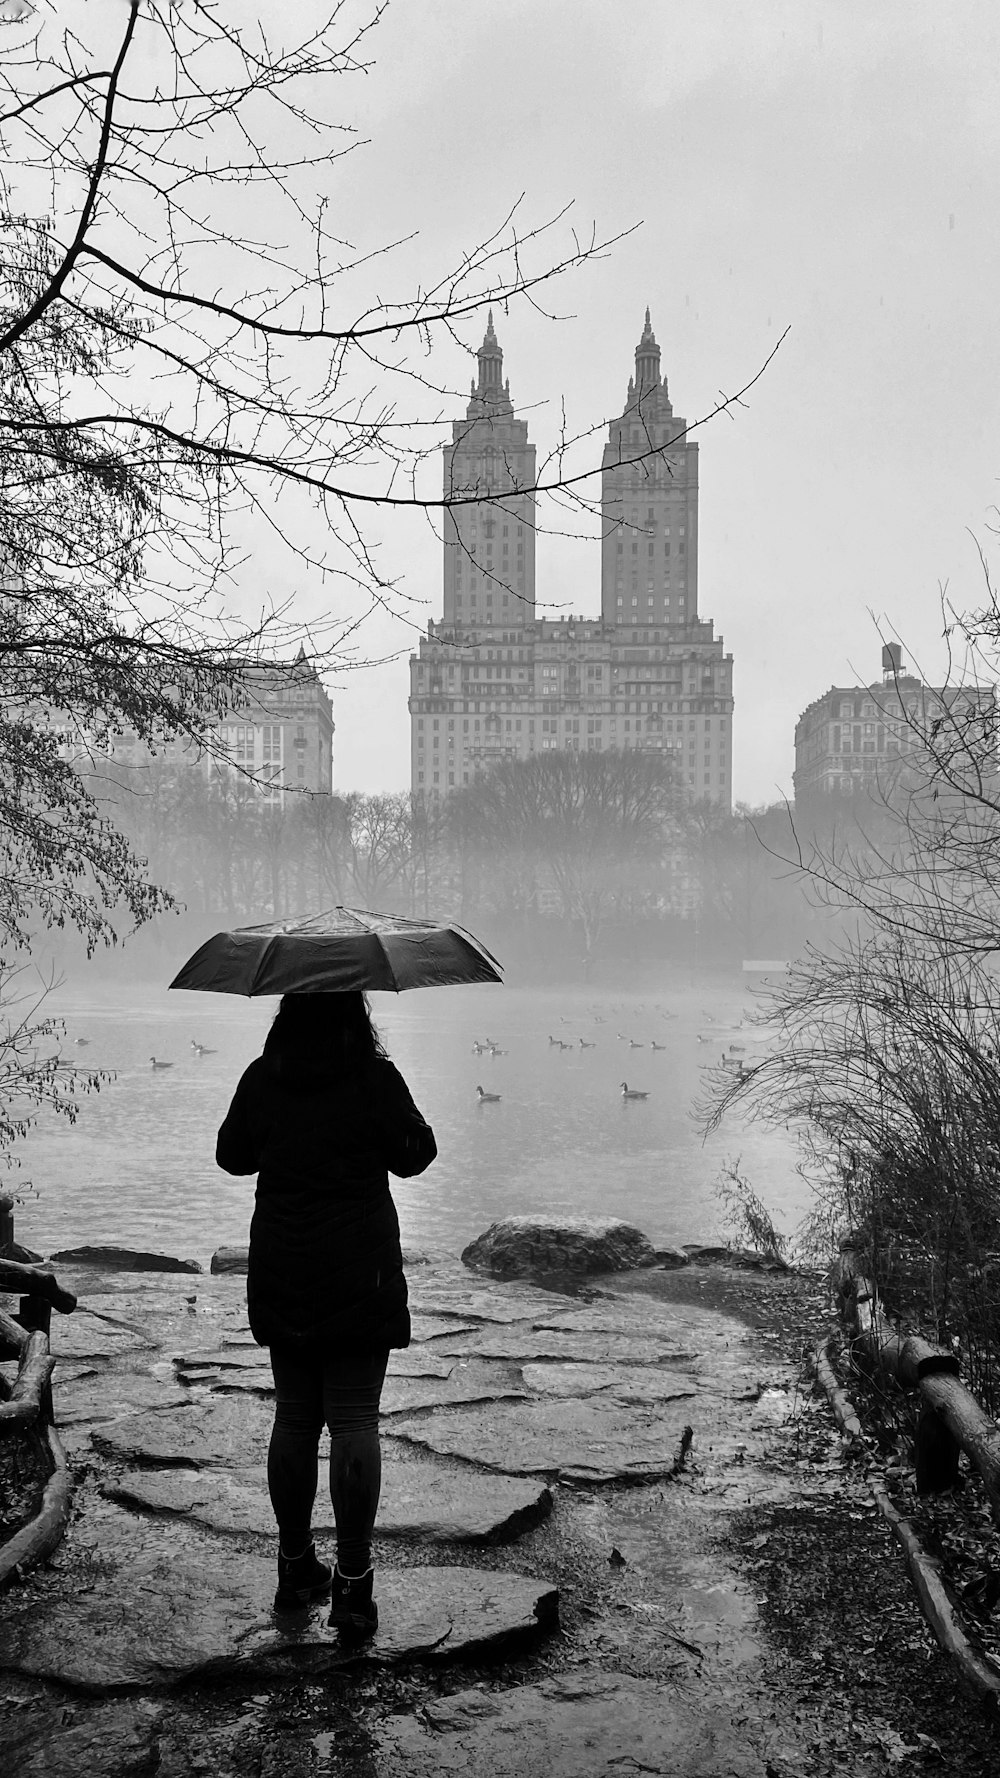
{"type": "Point", "coordinates": [848, 1643]}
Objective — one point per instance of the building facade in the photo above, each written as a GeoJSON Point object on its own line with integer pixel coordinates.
{"type": "Point", "coordinates": [279, 732]}
{"type": "Point", "coordinates": [283, 731]}
{"type": "Point", "coordinates": [493, 681]}
{"type": "Point", "coordinates": [870, 739]}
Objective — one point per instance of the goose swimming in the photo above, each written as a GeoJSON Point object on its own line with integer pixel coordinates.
{"type": "Point", "coordinates": [200, 1049]}
{"type": "Point", "coordinates": [632, 1093]}
{"type": "Point", "coordinates": [486, 1098]}
{"type": "Point", "coordinates": [157, 1064]}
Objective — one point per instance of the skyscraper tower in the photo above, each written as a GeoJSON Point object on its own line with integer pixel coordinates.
{"type": "Point", "coordinates": [493, 681]}
{"type": "Point", "coordinates": [649, 505]}
{"type": "Point", "coordinates": [489, 549]}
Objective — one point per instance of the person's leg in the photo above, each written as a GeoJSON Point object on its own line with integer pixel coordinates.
{"type": "Point", "coordinates": [292, 1458]}
{"type": "Point", "coordinates": [352, 1388]}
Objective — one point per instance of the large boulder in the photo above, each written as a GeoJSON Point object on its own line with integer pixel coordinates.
{"type": "Point", "coordinates": [231, 1259]}
{"type": "Point", "coordinates": [524, 1247]}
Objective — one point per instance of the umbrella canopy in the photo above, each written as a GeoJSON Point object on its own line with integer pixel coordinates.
{"type": "Point", "coordinates": [344, 949]}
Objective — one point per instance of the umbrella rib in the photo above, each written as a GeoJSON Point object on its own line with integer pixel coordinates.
{"type": "Point", "coordinates": [388, 959]}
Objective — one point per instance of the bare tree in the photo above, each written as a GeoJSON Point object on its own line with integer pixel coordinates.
{"type": "Point", "coordinates": [584, 823]}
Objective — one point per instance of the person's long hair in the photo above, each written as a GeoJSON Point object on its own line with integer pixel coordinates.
{"type": "Point", "coordinates": [314, 1036]}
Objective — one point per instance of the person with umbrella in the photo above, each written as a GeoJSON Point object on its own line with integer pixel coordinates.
{"type": "Point", "coordinates": [322, 1117]}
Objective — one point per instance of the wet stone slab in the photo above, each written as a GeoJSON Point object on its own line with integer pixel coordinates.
{"type": "Point", "coordinates": [232, 1431]}
{"type": "Point", "coordinates": [488, 1302]}
{"type": "Point", "coordinates": [411, 1395]}
{"type": "Point", "coordinates": [584, 1725]}
{"type": "Point", "coordinates": [162, 1621]}
{"type": "Point", "coordinates": [577, 1440]}
{"type": "Point", "coordinates": [230, 1382]}
{"type": "Point", "coordinates": [227, 1357]}
{"type": "Point", "coordinates": [427, 1502]}
{"type": "Point", "coordinates": [84, 1335]}
{"type": "Point", "coordinates": [415, 1361]}
{"type": "Point", "coordinates": [82, 1740]}
{"type": "Point", "coordinates": [90, 1401]}
{"type": "Point", "coordinates": [516, 1344]}
{"type": "Point", "coordinates": [638, 1383]}
{"type": "Point", "coordinates": [434, 1327]}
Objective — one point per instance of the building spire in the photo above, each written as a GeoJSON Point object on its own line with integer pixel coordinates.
{"type": "Point", "coordinates": [490, 393]}
{"type": "Point", "coordinates": [490, 364]}
{"type": "Point", "coordinates": [647, 359]}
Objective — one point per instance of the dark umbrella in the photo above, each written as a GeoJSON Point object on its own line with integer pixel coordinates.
{"type": "Point", "coordinates": [344, 949]}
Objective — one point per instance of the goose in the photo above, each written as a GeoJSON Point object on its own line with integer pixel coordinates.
{"type": "Point", "coordinates": [633, 1045]}
{"type": "Point", "coordinates": [486, 1098]}
{"type": "Point", "coordinates": [495, 1050]}
{"type": "Point", "coordinates": [631, 1092]}
{"type": "Point", "coordinates": [82, 1040]}
{"type": "Point", "coordinates": [478, 1049]}
{"type": "Point", "coordinates": [554, 1041]}
{"type": "Point", "coordinates": [584, 1045]}
{"type": "Point", "coordinates": [658, 1046]}
{"type": "Point", "coordinates": [157, 1064]}
{"type": "Point", "coordinates": [200, 1049]}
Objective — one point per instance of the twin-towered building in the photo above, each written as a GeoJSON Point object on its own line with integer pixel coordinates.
{"type": "Point", "coordinates": [493, 681]}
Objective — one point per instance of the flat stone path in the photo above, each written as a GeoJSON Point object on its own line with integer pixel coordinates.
{"type": "Point", "coordinates": [513, 1411]}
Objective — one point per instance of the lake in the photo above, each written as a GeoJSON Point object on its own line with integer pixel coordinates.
{"type": "Point", "coordinates": [138, 1166]}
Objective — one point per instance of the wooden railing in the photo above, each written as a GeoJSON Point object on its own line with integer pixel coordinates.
{"type": "Point", "coordinates": [950, 1419]}
{"type": "Point", "coordinates": [26, 1405]}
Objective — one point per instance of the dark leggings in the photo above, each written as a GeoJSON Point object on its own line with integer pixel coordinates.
{"type": "Point", "coordinates": [343, 1392]}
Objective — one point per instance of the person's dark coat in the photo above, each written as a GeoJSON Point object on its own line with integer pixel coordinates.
{"type": "Point", "coordinates": [326, 1269]}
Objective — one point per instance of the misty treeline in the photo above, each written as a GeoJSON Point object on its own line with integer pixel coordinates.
{"type": "Point", "coordinates": [581, 855]}
{"type": "Point", "coordinates": [884, 1051]}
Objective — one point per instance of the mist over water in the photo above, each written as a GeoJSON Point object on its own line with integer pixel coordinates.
{"type": "Point", "coordinates": [138, 1167]}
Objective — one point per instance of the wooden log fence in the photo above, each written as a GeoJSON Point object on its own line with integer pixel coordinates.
{"type": "Point", "coordinates": [950, 1419]}
{"type": "Point", "coordinates": [26, 1404]}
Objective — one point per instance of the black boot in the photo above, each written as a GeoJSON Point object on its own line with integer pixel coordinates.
{"type": "Point", "coordinates": [301, 1579]}
{"type": "Point", "coordinates": [353, 1611]}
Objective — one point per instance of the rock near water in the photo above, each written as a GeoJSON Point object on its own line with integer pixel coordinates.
{"type": "Point", "coordinates": [123, 1259]}
{"type": "Point", "coordinates": [523, 1247]}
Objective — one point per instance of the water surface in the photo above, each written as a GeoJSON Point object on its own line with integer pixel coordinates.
{"type": "Point", "coordinates": [138, 1166]}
